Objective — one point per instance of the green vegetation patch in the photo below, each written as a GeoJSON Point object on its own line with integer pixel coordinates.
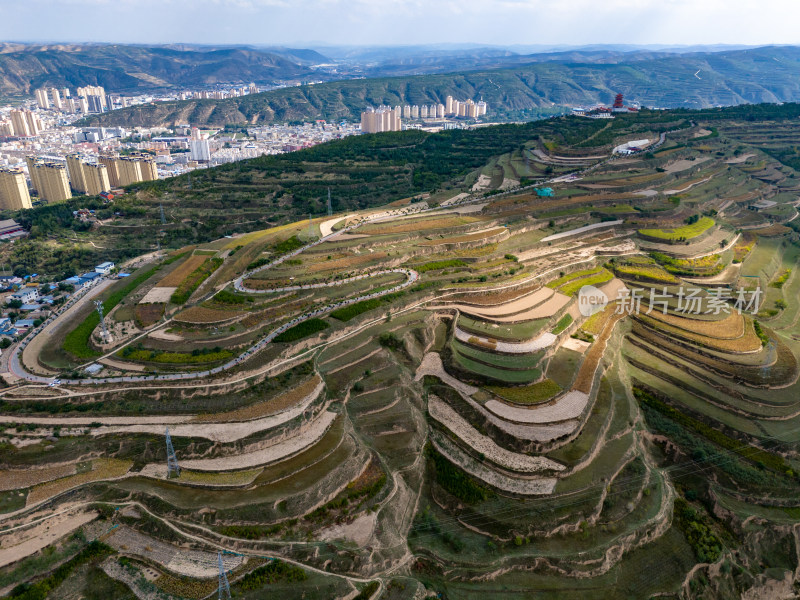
{"type": "Point", "coordinates": [368, 591]}
{"type": "Point", "coordinates": [573, 287]}
{"type": "Point", "coordinates": [353, 310]}
{"type": "Point", "coordinates": [455, 481]}
{"type": "Point", "coordinates": [301, 330]}
{"type": "Point", "coordinates": [197, 356]}
{"type": "Point", "coordinates": [42, 589]}
{"type": "Point", "coordinates": [435, 265]}
{"type": "Point", "coordinates": [645, 272]}
{"type": "Point", "coordinates": [275, 571]}
{"type": "Point", "coordinates": [193, 281]}
{"type": "Point", "coordinates": [680, 234]}
{"type": "Point", "coordinates": [761, 457]}
{"type": "Point", "coordinates": [782, 279]}
{"type": "Point", "coordinates": [76, 342]}
{"type": "Point", "coordinates": [562, 324]}
{"type": "Point", "coordinates": [502, 361]}
{"type": "Point", "coordinates": [539, 392]}
{"type": "Point", "coordinates": [227, 297]}
{"type": "Point", "coordinates": [707, 546]}
{"type": "Point", "coordinates": [498, 374]}
{"type": "Point", "coordinates": [556, 283]}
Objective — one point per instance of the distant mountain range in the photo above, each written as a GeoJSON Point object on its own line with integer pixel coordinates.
{"type": "Point", "coordinates": [549, 81]}
{"type": "Point", "coordinates": [23, 68]}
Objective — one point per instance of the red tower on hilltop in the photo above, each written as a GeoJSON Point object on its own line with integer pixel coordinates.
{"type": "Point", "coordinates": [618, 103]}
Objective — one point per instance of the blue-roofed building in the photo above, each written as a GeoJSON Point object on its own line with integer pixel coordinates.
{"type": "Point", "coordinates": [30, 307]}
{"type": "Point", "coordinates": [24, 323]}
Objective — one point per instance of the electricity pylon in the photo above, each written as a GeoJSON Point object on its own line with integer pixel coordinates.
{"type": "Point", "coordinates": [330, 208]}
{"type": "Point", "coordinates": [99, 307]}
{"type": "Point", "coordinates": [172, 460]}
{"type": "Point", "coordinates": [224, 586]}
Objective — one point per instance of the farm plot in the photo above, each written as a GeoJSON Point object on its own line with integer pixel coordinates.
{"type": "Point", "coordinates": [567, 407]}
{"type": "Point", "coordinates": [680, 234]}
{"type": "Point", "coordinates": [748, 342]}
{"type": "Point", "coordinates": [183, 270]}
{"type": "Point", "coordinates": [450, 419]}
{"type": "Point", "coordinates": [503, 361]}
{"type": "Point", "coordinates": [200, 315]}
{"type": "Point", "coordinates": [516, 332]}
{"type": "Point", "coordinates": [102, 468]}
{"type": "Point", "coordinates": [467, 238]}
{"type": "Point", "coordinates": [190, 563]}
{"type": "Point", "coordinates": [20, 479]}
{"type": "Point", "coordinates": [499, 374]}
{"type": "Point", "coordinates": [417, 225]}
{"type": "Point", "coordinates": [539, 392]}
{"type": "Point", "coordinates": [523, 487]}
{"type": "Point", "coordinates": [545, 340]}
{"type": "Point", "coordinates": [300, 395]}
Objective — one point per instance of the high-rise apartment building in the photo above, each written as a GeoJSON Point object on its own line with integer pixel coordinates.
{"type": "Point", "coordinates": [129, 169]}
{"type": "Point", "coordinates": [87, 178]}
{"type": "Point", "coordinates": [25, 123]}
{"type": "Point", "coordinates": [384, 118]}
{"type": "Point", "coordinates": [42, 98]}
{"type": "Point", "coordinates": [95, 177]}
{"type": "Point", "coordinates": [55, 97]}
{"type": "Point", "coordinates": [75, 172]}
{"type": "Point", "coordinates": [200, 150]}
{"type": "Point", "coordinates": [13, 190]}
{"type": "Point", "coordinates": [448, 106]}
{"type": "Point", "coordinates": [6, 128]}
{"type": "Point", "coordinates": [49, 179]}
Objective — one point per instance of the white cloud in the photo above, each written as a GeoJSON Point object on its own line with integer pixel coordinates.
{"type": "Point", "coordinates": [569, 22]}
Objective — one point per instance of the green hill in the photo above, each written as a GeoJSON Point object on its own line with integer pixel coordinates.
{"type": "Point", "coordinates": [695, 80]}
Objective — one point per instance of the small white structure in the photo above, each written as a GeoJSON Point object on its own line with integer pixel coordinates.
{"type": "Point", "coordinates": [104, 268]}
{"type": "Point", "coordinates": [631, 147]}
{"type": "Point", "coordinates": [26, 295]}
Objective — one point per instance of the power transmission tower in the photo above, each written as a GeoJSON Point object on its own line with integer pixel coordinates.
{"type": "Point", "coordinates": [310, 227]}
{"type": "Point", "coordinates": [224, 586]}
{"type": "Point", "coordinates": [163, 218]}
{"type": "Point", "coordinates": [172, 460]}
{"type": "Point", "coordinates": [330, 208]}
{"type": "Point", "coordinates": [99, 307]}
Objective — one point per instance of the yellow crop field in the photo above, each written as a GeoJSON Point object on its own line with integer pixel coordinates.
{"type": "Point", "coordinates": [183, 270]}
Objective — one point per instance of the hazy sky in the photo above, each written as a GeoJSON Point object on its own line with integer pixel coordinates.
{"type": "Point", "coordinates": [392, 22]}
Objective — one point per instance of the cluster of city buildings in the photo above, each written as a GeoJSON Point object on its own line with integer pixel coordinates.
{"type": "Point", "coordinates": [53, 179]}
{"type": "Point", "coordinates": [386, 118]}
{"type": "Point", "coordinates": [94, 99]}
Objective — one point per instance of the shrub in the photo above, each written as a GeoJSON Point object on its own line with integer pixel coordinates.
{"type": "Point", "coordinates": [303, 329]}
{"type": "Point", "coordinates": [275, 571]}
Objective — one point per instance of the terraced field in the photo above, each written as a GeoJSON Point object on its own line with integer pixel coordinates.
{"type": "Point", "coordinates": [412, 401]}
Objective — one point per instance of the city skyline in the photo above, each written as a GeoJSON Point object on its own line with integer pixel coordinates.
{"type": "Point", "coordinates": [318, 23]}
